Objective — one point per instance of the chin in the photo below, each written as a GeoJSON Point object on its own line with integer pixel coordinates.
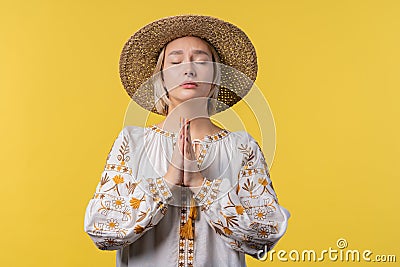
{"type": "Point", "coordinates": [186, 96]}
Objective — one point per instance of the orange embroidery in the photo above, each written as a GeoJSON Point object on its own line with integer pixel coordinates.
{"type": "Point", "coordinates": [135, 203]}
{"type": "Point", "coordinates": [118, 179]}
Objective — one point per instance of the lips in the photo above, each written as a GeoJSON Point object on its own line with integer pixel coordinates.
{"type": "Point", "coordinates": [189, 83]}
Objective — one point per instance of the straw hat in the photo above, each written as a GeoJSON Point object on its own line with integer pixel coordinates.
{"type": "Point", "coordinates": [140, 54]}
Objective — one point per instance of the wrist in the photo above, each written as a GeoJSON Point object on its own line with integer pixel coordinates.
{"type": "Point", "coordinates": [197, 183]}
{"type": "Point", "coordinates": [169, 183]}
{"type": "Point", "coordinates": [171, 180]}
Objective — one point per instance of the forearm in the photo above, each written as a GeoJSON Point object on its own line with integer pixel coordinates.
{"type": "Point", "coordinates": [113, 221]}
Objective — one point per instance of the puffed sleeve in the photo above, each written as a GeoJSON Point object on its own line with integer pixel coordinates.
{"type": "Point", "coordinates": [123, 207]}
{"type": "Point", "coordinates": [247, 214]}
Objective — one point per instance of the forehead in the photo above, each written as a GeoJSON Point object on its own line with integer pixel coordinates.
{"type": "Point", "coordinates": [186, 43]}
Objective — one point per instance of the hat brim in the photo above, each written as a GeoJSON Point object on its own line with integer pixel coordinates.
{"type": "Point", "coordinates": [140, 53]}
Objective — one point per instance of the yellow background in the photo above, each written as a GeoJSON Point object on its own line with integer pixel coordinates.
{"type": "Point", "coordinates": [329, 69]}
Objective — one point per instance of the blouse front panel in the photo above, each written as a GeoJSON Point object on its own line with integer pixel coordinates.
{"type": "Point", "coordinates": [135, 212]}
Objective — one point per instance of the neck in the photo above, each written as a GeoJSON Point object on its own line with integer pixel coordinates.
{"type": "Point", "coordinates": [196, 112]}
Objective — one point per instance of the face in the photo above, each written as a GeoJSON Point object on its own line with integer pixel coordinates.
{"type": "Point", "coordinates": [187, 69]}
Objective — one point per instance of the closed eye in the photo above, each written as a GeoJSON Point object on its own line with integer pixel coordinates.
{"type": "Point", "coordinates": [197, 62]}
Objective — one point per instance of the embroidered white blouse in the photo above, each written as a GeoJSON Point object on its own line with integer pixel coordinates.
{"type": "Point", "coordinates": [135, 212]}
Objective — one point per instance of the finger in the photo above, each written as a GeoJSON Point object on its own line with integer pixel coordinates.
{"type": "Point", "coordinates": [185, 129]}
{"type": "Point", "coordinates": [187, 138]}
{"type": "Point", "coordinates": [181, 134]}
{"type": "Point", "coordinates": [184, 144]}
{"type": "Point", "coordinates": [185, 175]}
{"type": "Point", "coordinates": [189, 146]}
{"type": "Point", "coordinates": [188, 133]}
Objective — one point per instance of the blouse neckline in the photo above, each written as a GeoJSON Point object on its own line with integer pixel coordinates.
{"type": "Point", "coordinates": [208, 138]}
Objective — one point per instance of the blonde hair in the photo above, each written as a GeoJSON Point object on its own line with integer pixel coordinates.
{"type": "Point", "coordinates": [162, 101]}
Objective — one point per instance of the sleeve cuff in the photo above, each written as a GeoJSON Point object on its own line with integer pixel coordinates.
{"type": "Point", "coordinates": [208, 193]}
{"type": "Point", "coordinates": [160, 189]}
{"type": "Point", "coordinates": [262, 254]}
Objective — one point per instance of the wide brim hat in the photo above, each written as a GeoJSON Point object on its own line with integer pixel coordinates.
{"type": "Point", "coordinates": [140, 54]}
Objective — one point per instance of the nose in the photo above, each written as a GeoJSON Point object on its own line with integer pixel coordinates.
{"type": "Point", "coordinates": [189, 73]}
{"type": "Point", "coordinates": [189, 70]}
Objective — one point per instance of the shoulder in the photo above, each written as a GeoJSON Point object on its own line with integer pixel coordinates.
{"type": "Point", "coordinates": [242, 137]}
{"type": "Point", "coordinates": [132, 134]}
{"type": "Point", "coordinates": [244, 141]}
{"type": "Point", "coordinates": [133, 130]}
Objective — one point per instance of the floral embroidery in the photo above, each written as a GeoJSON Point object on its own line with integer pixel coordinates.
{"type": "Point", "coordinates": [220, 228]}
{"type": "Point", "coordinates": [132, 186]}
{"type": "Point", "coordinates": [104, 179]}
{"type": "Point", "coordinates": [135, 203]}
{"type": "Point", "coordinates": [118, 179]}
{"type": "Point", "coordinates": [249, 186]}
{"type": "Point", "coordinates": [142, 215]}
{"type": "Point", "coordinates": [264, 230]}
{"type": "Point", "coordinates": [260, 214]}
{"type": "Point", "coordinates": [249, 155]}
{"type": "Point", "coordinates": [124, 150]}
{"type": "Point", "coordinates": [254, 196]}
{"type": "Point", "coordinates": [269, 204]}
{"type": "Point", "coordinates": [140, 229]}
{"type": "Point", "coordinates": [245, 218]}
{"type": "Point", "coordinates": [112, 224]}
{"type": "Point", "coordinates": [239, 209]}
{"type": "Point", "coordinates": [230, 220]}
{"type": "Point", "coordinates": [118, 203]}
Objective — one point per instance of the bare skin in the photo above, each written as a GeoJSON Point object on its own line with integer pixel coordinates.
{"type": "Point", "coordinates": [186, 51]}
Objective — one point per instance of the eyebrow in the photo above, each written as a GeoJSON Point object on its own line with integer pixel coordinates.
{"type": "Point", "coordinates": [196, 52]}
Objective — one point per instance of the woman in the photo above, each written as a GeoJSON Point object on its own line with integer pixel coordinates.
{"type": "Point", "coordinates": [185, 192]}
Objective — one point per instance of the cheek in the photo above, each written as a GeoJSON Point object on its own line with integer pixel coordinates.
{"type": "Point", "coordinates": [206, 74]}
{"type": "Point", "coordinates": [170, 78]}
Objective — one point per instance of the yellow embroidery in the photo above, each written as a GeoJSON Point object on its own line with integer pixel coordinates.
{"type": "Point", "coordinates": [239, 209]}
{"type": "Point", "coordinates": [118, 179]}
{"type": "Point", "coordinates": [112, 224]}
{"type": "Point", "coordinates": [135, 203]}
{"type": "Point", "coordinates": [138, 229]}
